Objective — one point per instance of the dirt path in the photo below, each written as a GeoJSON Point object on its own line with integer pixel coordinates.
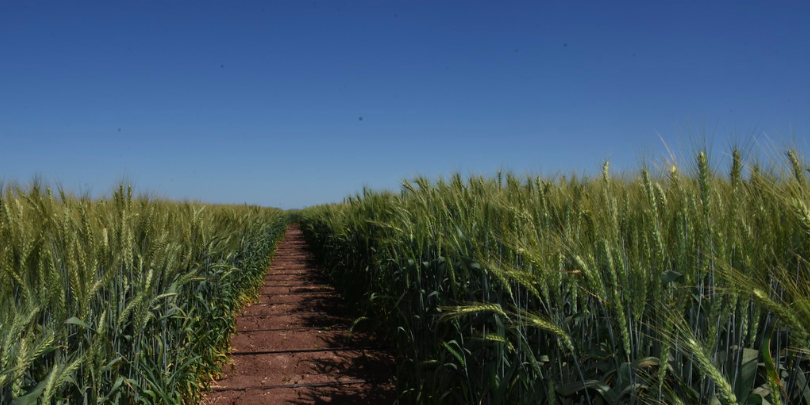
{"type": "Point", "coordinates": [293, 347]}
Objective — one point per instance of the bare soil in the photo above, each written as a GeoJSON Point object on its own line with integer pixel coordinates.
{"type": "Point", "coordinates": [294, 345]}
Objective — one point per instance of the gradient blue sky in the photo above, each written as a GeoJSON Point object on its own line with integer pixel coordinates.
{"type": "Point", "coordinates": [296, 103]}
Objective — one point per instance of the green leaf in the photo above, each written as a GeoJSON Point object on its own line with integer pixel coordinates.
{"type": "Point", "coordinates": [747, 374]}
{"type": "Point", "coordinates": [670, 276]}
{"type": "Point", "coordinates": [574, 387]}
{"type": "Point", "coordinates": [802, 382]}
{"type": "Point", "coordinates": [755, 399]}
{"type": "Point", "coordinates": [115, 386]}
{"type": "Point", "coordinates": [33, 396]}
{"type": "Point", "coordinates": [770, 367]}
{"type": "Point", "coordinates": [78, 322]}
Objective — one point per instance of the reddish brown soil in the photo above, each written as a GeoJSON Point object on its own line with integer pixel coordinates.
{"type": "Point", "coordinates": [294, 346]}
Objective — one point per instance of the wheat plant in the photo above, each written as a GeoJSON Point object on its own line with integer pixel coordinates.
{"type": "Point", "coordinates": [123, 299]}
{"type": "Point", "coordinates": [679, 285]}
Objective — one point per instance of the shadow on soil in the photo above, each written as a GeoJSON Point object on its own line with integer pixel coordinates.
{"type": "Point", "coordinates": [372, 363]}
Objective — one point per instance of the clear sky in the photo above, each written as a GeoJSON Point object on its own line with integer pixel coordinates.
{"type": "Point", "coordinates": [296, 103]}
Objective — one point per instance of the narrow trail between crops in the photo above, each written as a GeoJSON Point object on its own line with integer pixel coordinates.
{"type": "Point", "coordinates": [294, 346]}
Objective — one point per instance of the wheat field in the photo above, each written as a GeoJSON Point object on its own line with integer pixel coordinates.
{"type": "Point", "coordinates": [126, 299]}
{"type": "Point", "coordinates": [686, 285]}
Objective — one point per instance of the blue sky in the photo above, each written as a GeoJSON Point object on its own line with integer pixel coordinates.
{"type": "Point", "coordinates": [296, 103]}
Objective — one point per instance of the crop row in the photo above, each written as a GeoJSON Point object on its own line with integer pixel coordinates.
{"type": "Point", "coordinates": [122, 300]}
{"type": "Point", "coordinates": [676, 288]}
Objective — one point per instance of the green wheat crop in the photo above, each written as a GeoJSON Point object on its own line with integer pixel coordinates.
{"type": "Point", "coordinates": [121, 300]}
{"type": "Point", "coordinates": [684, 287]}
